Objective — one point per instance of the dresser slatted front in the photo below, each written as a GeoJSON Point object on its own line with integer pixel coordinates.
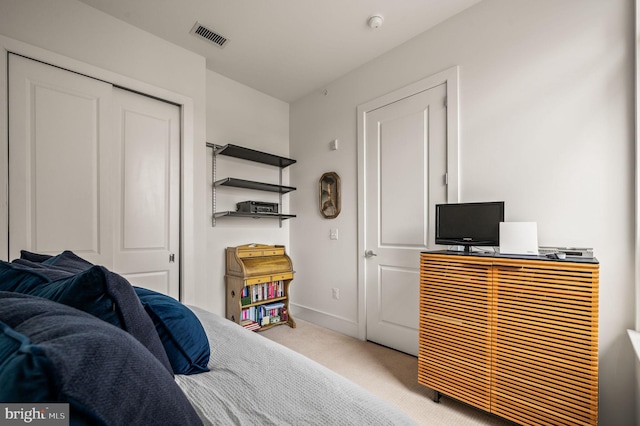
{"type": "Point", "coordinates": [515, 337]}
{"type": "Point", "coordinates": [545, 342]}
{"type": "Point", "coordinates": [454, 349]}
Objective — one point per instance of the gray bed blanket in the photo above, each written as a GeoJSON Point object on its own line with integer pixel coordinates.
{"type": "Point", "coordinates": [254, 381]}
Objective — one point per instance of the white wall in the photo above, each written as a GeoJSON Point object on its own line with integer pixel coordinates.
{"type": "Point", "coordinates": [221, 111]}
{"type": "Point", "coordinates": [239, 115]}
{"type": "Point", "coordinates": [546, 124]}
{"type": "Point", "coordinates": [546, 92]}
{"type": "Point", "coordinates": [70, 34]}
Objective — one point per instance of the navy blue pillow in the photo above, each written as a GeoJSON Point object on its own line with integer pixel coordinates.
{"type": "Point", "coordinates": [96, 290]}
{"type": "Point", "coordinates": [51, 272]}
{"type": "Point", "coordinates": [180, 331]}
{"type": "Point", "coordinates": [22, 277]}
{"type": "Point", "coordinates": [34, 257]}
{"type": "Point", "coordinates": [50, 352]}
{"type": "Point", "coordinates": [68, 261]}
{"type": "Point", "coordinates": [84, 291]}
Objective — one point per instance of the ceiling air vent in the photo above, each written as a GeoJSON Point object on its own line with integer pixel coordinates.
{"type": "Point", "coordinates": [209, 35]}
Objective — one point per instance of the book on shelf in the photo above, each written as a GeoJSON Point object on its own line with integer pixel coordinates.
{"type": "Point", "coordinates": [272, 306]}
{"type": "Point", "coordinates": [250, 325]}
{"type": "Point", "coordinates": [274, 312]}
{"type": "Point", "coordinates": [261, 315]}
{"type": "Point", "coordinates": [262, 292]}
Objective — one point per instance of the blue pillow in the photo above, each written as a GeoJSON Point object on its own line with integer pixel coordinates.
{"type": "Point", "coordinates": [34, 257]}
{"type": "Point", "coordinates": [50, 352]}
{"type": "Point", "coordinates": [23, 278]}
{"type": "Point", "coordinates": [180, 331]}
{"type": "Point", "coordinates": [51, 272]}
{"type": "Point", "coordinates": [84, 291]}
{"type": "Point", "coordinates": [68, 261]}
{"type": "Point", "coordinates": [96, 290]}
{"type": "Point", "coordinates": [63, 265]}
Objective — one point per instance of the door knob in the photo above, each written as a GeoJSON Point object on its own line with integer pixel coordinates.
{"type": "Point", "coordinates": [369, 253]}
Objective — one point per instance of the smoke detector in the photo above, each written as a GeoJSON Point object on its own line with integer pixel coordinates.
{"type": "Point", "coordinates": [375, 21]}
{"type": "Point", "coordinates": [209, 35]}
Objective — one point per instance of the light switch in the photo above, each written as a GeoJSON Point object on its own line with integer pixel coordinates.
{"type": "Point", "coordinates": [333, 234]}
{"type": "Point", "coordinates": [333, 145]}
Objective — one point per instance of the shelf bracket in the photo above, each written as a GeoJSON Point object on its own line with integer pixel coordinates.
{"type": "Point", "coordinates": [280, 197]}
{"type": "Point", "coordinates": [213, 180]}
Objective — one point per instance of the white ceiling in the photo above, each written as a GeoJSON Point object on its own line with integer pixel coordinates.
{"type": "Point", "coordinates": [285, 48]}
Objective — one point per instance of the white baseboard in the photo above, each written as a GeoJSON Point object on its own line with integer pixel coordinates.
{"type": "Point", "coordinates": [324, 319]}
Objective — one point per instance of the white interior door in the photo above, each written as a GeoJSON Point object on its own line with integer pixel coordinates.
{"type": "Point", "coordinates": [405, 167]}
{"type": "Point", "coordinates": [148, 187]}
{"type": "Point", "coordinates": [58, 199]}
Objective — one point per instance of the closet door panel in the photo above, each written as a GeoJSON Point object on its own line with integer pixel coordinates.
{"type": "Point", "coordinates": [147, 140]}
{"type": "Point", "coordinates": [58, 151]}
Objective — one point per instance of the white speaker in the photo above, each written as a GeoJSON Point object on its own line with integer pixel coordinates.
{"type": "Point", "coordinates": [519, 238]}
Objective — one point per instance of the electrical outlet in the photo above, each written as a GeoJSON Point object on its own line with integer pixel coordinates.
{"type": "Point", "coordinates": [333, 234]}
{"type": "Point", "coordinates": [335, 293]}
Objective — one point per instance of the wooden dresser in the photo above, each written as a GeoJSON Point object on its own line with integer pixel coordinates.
{"type": "Point", "coordinates": [516, 337]}
{"type": "Point", "coordinates": [257, 283]}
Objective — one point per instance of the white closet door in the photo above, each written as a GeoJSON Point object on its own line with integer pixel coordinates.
{"type": "Point", "coordinates": [59, 198]}
{"type": "Point", "coordinates": [148, 183]}
{"type": "Point", "coordinates": [96, 170]}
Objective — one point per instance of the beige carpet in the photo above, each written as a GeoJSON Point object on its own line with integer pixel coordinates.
{"type": "Point", "coordinates": [390, 374]}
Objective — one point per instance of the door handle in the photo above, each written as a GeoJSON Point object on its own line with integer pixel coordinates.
{"type": "Point", "coordinates": [369, 253]}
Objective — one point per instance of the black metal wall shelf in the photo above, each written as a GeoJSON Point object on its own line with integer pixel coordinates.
{"type": "Point", "coordinates": [251, 155]}
{"type": "Point", "coordinates": [255, 156]}
{"type": "Point", "coordinates": [255, 215]}
{"type": "Point", "coordinates": [249, 184]}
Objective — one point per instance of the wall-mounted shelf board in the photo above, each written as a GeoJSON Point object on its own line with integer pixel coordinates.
{"type": "Point", "coordinates": [252, 155]}
{"type": "Point", "coordinates": [249, 184]}
{"type": "Point", "coordinates": [255, 215]}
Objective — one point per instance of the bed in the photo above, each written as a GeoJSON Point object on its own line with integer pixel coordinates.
{"type": "Point", "coordinates": [255, 381]}
{"type": "Point", "coordinates": [78, 334]}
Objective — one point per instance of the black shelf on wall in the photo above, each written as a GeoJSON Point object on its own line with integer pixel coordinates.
{"type": "Point", "coordinates": [255, 215]}
{"type": "Point", "coordinates": [249, 184]}
{"type": "Point", "coordinates": [249, 154]}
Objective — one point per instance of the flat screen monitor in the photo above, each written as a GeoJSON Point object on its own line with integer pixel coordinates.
{"type": "Point", "coordinates": [469, 224]}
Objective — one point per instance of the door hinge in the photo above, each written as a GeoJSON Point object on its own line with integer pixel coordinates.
{"type": "Point", "coordinates": [445, 102]}
{"type": "Point", "coordinates": [446, 178]}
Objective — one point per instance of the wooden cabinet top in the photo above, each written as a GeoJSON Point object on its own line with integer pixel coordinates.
{"type": "Point", "coordinates": [496, 258]}
{"type": "Point", "coordinates": [251, 260]}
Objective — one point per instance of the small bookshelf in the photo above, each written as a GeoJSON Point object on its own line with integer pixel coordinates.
{"type": "Point", "coordinates": [257, 284]}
